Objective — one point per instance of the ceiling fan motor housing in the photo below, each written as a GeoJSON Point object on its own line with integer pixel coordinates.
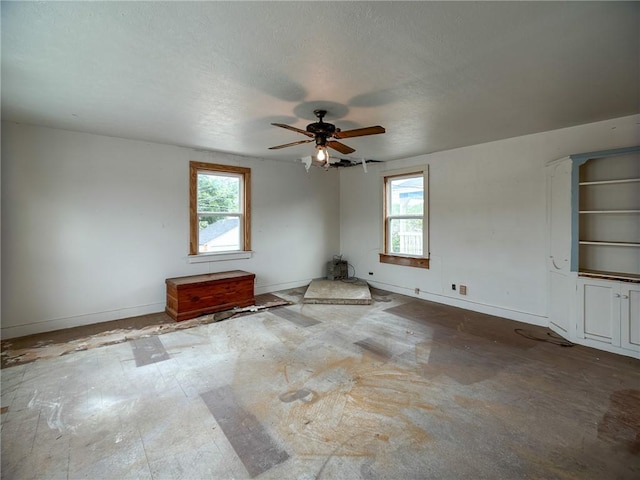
{"type": "Point", "coordinates": [320, 129]}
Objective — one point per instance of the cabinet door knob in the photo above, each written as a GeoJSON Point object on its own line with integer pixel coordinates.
{"type": "Point", "coordinates": [617, 295]}
{"type": "Point", "coordinates": [625, 296]}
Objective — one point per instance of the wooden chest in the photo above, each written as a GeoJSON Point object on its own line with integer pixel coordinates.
{"type": "Point", "coordinates": [196, 295]}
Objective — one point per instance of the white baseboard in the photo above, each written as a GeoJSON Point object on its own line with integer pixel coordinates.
{"type": "Point", "coordinates": [525, 317]}
{"type": "Point", "coordinates": [99, 317]}
{"type": "Point", "coordinates": [79, 320]}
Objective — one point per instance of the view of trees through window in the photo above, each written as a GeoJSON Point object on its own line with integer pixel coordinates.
{"type": "Point", "coordinates": [217, 194]}
{"type": "Point", "coordinates": [219, 211]}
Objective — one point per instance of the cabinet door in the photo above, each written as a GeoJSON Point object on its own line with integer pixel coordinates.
{"type": "Point", "coordinates": [560, 282]}
{"type": "Point", "coordinates": [559, 216]}
{"type": "Point", "coordinates": [630, 315]}
{"type": "Point", "coordinates": [562, 291]}
{"type": "Point", "coordinates": [599, 311]}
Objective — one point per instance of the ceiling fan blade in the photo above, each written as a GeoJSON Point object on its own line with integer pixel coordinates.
{"type": "Point", "coordinates": [360, 132]}
{"type": "Point", "coordinates": [289, 127]}
{"type": "Point", "coordinates": [340, 147]}
{"type": "Point", "coordinates": [290, 144]}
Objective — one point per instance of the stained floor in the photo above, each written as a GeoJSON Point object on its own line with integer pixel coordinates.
{"type": "Point", "coordinates": [398, 389]}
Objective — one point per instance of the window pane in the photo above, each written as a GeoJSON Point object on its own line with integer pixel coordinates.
{"type": "Point", "coordinates": [218, 193]}
{"type": "Point", "coordinates": [406, 196]}
{"type": "Point", "coordinates": [405, 236]}
{"type": "Point", "coordinates": [218, 233]}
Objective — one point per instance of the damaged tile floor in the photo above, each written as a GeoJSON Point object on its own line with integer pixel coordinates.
{"type": "Point", "coordinates": [398, 389]}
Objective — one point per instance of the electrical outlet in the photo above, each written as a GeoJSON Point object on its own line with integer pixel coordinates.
{"type": "Point", "coordinates": [463, 289]}
{"type": "Point", "coordinates": [453, 286]}
{"type": "Point", "coordinates": [417, 291]}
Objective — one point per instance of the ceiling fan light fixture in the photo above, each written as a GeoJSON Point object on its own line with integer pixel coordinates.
{"type": "Point", "coordinates": [323, 154]}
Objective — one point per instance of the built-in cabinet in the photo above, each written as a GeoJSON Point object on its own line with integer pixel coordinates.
{"type": "Point", "coordinates": [609, 312]}
{"type": "Point", "coordinates": [593, 212]}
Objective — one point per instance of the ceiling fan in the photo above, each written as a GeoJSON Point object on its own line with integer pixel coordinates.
{"type": "Point", "coordinates": [323, 134]}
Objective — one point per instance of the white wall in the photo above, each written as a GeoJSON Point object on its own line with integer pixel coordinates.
{"type": "Point", "coordinates": [92, 226]}
{"type": "Point", "coordinates": [487, 220]}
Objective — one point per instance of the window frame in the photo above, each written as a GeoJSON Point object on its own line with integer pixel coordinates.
{"type": "Point", "coordinates": [245, 206]}
{"type": "Point", "coordinates": [420, 261]}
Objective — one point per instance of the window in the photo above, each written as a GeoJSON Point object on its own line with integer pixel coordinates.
{"type": "Point", "coordinates": [406, 218]}
{"type": "Point", "coordinates": [219, 208]}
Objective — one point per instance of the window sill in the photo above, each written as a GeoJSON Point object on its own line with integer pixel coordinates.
{"type": "Point", "coordinates": [219, 257]}
{"type": "Point", "coordinates": [419, 262]}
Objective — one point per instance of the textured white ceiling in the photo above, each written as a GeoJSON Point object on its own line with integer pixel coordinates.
{"type": "Point", "coordinates": [214, 75]}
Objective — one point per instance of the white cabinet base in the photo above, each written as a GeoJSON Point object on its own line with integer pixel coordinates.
{"type": "Point", "coordinates": [607, 316]}
{"type": "Point", "coordinates": [630, 316]}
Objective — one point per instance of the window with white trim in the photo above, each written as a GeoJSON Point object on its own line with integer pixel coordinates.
{"type": "Point", "coordinates": [406, 219]}
{"type": "Point", "coordinates": [219, 208]}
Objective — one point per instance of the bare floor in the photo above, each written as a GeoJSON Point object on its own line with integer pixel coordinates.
{"type": "Point", "coordinates": [398, 389]}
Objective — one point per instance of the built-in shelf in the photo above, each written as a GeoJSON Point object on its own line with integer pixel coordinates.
{"type": "Point", "coordinates": [611, 244]}
{"type": "Point", "coordinates": [609, 211]}
{"type": "Point", "coordinates": [608, 189]}
{"type": "Point", "coordinates": [625, 277]}
{"type": "Point", "coordinates": [610, 182]}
